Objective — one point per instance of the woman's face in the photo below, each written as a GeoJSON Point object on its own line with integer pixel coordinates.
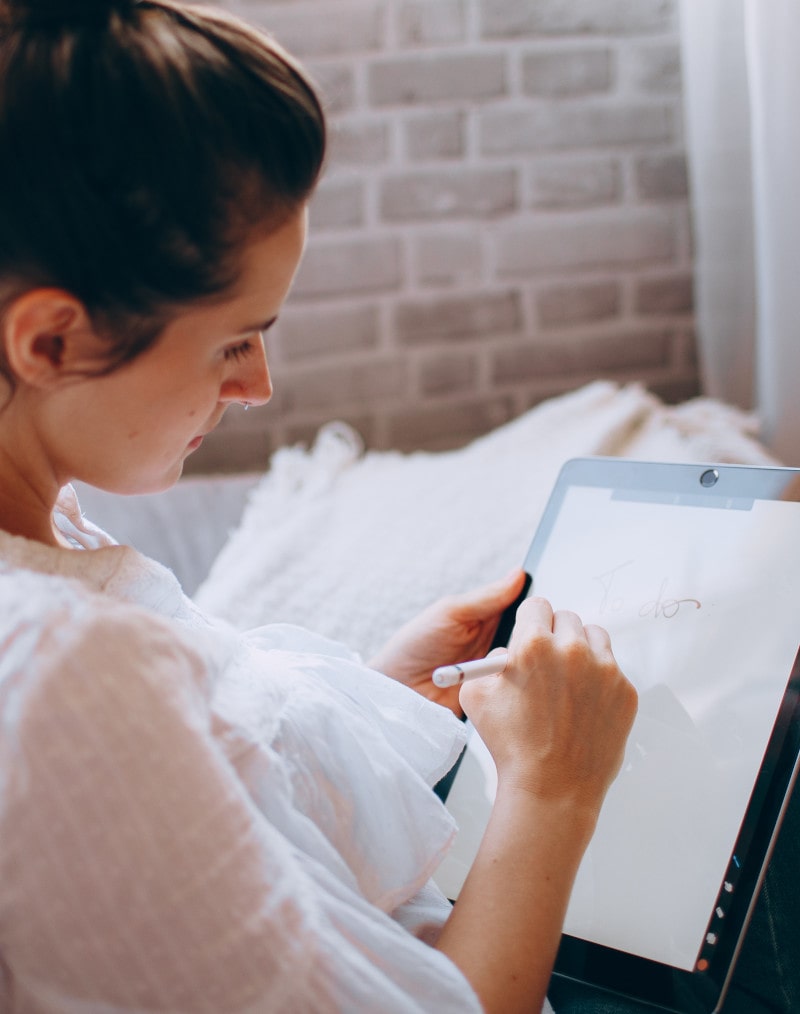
{"type": "Point", "coordinates": [130, 431]}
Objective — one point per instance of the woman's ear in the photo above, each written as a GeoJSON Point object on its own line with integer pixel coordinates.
{"type": "Point", "coordinates": [48, 337]}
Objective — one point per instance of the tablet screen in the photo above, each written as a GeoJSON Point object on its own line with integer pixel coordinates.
{"type": "Point", "coordinates": [699, 593]}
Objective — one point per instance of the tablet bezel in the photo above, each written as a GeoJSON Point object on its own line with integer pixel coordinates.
{"type": "Point", "coordinates": [703, 989]}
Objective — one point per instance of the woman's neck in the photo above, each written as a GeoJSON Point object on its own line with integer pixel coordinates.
{"type": "Point", "coordinates": [27, 508]}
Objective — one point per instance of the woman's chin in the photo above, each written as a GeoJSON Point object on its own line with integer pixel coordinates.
{"type": "Point", "coordinates": [141, 485]}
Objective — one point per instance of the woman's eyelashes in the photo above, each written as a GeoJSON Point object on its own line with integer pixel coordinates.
{"type": "Point", "coordinates": [248, 343]}
{"type": "Point", "coordinates": [241, 350]}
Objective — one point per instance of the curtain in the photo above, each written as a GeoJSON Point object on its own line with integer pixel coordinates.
{"type": "Point", "coordinates": [742, 88]}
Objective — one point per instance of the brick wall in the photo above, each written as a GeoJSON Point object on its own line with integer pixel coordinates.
{"type": "Point", "coordinates": [504, 217]}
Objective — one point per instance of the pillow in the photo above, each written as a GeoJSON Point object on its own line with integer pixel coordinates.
{"type": "Point", "coordinates": [352, 544]}
{"type": "Point", "coordinates": [184, 527]}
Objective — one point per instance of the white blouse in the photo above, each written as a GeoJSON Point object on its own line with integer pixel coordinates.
{"type": "Point", "coordinates": [196, 820]}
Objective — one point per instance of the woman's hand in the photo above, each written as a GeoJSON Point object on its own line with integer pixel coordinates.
{"type": "Point", "coordinates": [557, 719]}
{"type": "Point", "coordinates": [453, 629]}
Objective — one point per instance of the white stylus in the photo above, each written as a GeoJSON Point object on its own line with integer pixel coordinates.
{"type": "Point", "coordinates": [452, 675]}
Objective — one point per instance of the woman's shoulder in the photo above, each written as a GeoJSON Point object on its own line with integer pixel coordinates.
{"type": "Point", "coordinates": [33, 607]}
{"type": "Point", "coordinates": [42, 602]}
{"type": "Point", "coordinates": [64, 645]}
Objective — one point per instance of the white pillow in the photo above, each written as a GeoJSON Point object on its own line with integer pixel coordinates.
{"type": "Point", "coordinates": [352, 544]}
{"type": "Point", "coordinates": [184, 527]}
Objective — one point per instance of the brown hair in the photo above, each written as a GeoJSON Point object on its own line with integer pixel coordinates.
{"type": "Point", "coordinates": [140, 143]}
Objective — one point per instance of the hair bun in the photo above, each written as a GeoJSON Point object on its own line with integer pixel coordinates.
{"type": "Point", "coordinates": [66, 12]}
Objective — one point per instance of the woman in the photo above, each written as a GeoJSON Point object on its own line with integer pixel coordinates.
{"type": "Point", "coordinates": [193, 819]}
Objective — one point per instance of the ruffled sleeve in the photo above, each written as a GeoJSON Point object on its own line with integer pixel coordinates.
{"type": "Point", "coordinates": [139, 868]}
{"type": "Point", "coordinates": [354, 753]}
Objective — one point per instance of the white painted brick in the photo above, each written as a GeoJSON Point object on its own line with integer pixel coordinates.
{"type": "Point", "coordinates": [576, 242]}
{"type": "Point", "coordinates": [336, 85]}
{"type": "Point", "coordinates": [355, 27]}
{"type": "Point", "coordinates": [437, 135]}
{"type": "Point", "coordinates": [360, 382]}
{"type": "Point", "coordinates": [456, 318]}
{"type": "Point", "coordinates": [462, 193]}
{"type": "Point", "coordinates": [452, 258]}
{"type": "Point", "coordinates": [346, 266]}
{"type": "Point", "coordinates": [452, 424]}
{"type": "Point", "coordinates": [574, 183]}
{"type": "Point", "coordinates": [359, 142]}
{"type": "Point", "coordinates": [305, 332]}
{"type": "Point", "coordinates": [571, 125]}
{"type": "Point", "coordinates": [398, 326]}
{"type": "Point", "coordinates": [441, 77]}
{"type": "Point", "coordinates": [431, 22]}
{"type": "Point", "coordinates": [504, 18]}
{"type": "Point", "coordinates": [686, 347]}
{"type": "Point", "coordinates": [561, 305]}
{"type": "Point", "coordinates": [596, 355]}
{"type": "Point", "coordinates": [666, 294]}
{"type": "Point", "coordinates": [653, 69]}
{"type": "Point", "coordinates": [662, 177]}
{"type": "Point", "coordinates": [676, 389]}
{"type": "Point", "coordinates": [337, 204]}
{"type": "Point", "coordinates": [569, 72]}
{"type": "Point", "coordinates": [448, 373]}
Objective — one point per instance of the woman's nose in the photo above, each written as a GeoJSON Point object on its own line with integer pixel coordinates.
{"type": "Point", "coordinates": [250, 382]}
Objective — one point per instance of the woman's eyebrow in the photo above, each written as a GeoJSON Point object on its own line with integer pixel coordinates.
{"type": "Point", "coordinates": [265, 326]}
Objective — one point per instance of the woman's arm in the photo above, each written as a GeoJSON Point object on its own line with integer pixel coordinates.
{"type": "Point", "coordinates": [135, 869]}
{"type": "Point", "coordinates": [555, 722]}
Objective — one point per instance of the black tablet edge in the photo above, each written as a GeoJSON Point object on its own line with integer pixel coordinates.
{"type": "Point", "coordinates": [703, 990]}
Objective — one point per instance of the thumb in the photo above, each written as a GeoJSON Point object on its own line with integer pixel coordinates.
{"type": "Point", "coordinates": [491, 599]}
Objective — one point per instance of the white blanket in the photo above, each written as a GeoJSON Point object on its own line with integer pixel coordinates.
{"type": "Point", "coordinates": [352, 544]}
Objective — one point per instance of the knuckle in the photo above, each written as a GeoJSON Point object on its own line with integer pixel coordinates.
{"type": "Point", "coordinates": [595, 631]}
{"type": "Point", "coordinates": [631, 696]}
{"type": "Point", "coordinates": [623, 694]}
{"type": "Point", "coordinates": [473, 693]}
{"type": "Point", "coordinates": [534, 648]}
{"type": "Point", "coordinates": [532, 605]}
{"type": "Point", "coordinates": [576, 653]}
{"type": "Point", "coordinates": [616, 678]}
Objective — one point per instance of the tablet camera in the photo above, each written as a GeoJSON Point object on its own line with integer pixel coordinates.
{"type": "Point", "coordinates": [709, 478]}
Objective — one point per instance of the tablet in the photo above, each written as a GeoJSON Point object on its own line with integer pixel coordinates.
{"type": "Point", "coordinates": [695, 572]}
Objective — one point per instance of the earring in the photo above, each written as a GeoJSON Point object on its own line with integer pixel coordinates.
{"type": "Point", "coordinates": [246, 405]}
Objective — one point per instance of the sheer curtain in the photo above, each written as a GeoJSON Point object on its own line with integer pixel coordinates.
{"type": "Point", "coordinates": [742, 88]}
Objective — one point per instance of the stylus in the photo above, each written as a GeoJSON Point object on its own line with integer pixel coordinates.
{"type": "Point", "coordinates": [452, 675]}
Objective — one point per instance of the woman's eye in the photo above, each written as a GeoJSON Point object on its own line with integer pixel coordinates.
{"type": "Point", "coordinates": [239, 351]}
